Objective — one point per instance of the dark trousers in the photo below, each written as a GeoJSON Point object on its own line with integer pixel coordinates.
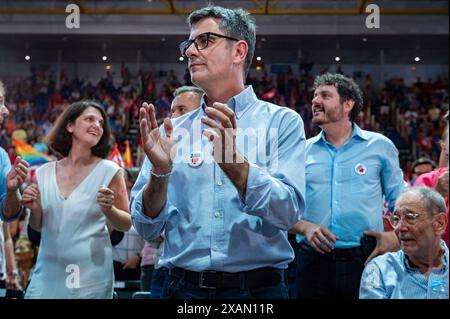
{"type": "Point", "coordinates": [146, 277]}
{"type": "Point", "coordinates": [125, 274]}
{"type": "Point", "coordinates": [292, 269]}
{"type": "Point", "coordinates": [158, 279]}
{"type": "Point", "coordinates": [335, 275]}
{"type": "Point", "coordinates": [264, 283]}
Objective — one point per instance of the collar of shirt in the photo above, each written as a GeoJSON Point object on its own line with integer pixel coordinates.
{"type": "Point", "coordinates": [240, 103]}
{"type": "Point", "coordinates": [356, 133]}
{"type": "Point", "coordinates": [444, 260]}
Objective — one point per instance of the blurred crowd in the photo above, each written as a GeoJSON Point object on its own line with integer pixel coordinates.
{"type": "Point", "coordinates": [411, 116]}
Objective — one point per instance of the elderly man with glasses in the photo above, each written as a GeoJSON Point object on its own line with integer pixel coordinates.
{"type": "Point", "coordinates": [420, 269]}
{"type": "Point", "coordinates": [226, 181]}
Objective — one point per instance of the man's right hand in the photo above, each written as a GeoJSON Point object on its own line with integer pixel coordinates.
{"type": "Point", "coordinates": [157, 148]}
{"type": "Point", "coordinates": [320, 237]}
{"type": "Point", "coordinates": [16, 177]}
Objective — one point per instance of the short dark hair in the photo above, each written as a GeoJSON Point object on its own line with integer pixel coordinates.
{"type": "Point", "coordinates": [347, 90]}
{"type": "Point", "coordinates": [235, 23]}
{"type": "Point", "coordinates": [60, 140]}
{"type": "Point", "coordinates": [190, 89]}
{"type": "Point", "coordinates": [423, 160]}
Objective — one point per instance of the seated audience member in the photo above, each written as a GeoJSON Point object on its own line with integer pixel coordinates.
{"type": "Point", "coordinates": [421, 265]}
{"type": "Point", "coordinates": [26, 258]}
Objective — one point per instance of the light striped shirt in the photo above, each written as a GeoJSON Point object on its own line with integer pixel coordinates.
{"type": "Point", "coordinates": [391, 276]}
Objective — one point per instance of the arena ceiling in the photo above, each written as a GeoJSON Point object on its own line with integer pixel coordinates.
{"type": "Point", "coordinates": [288, 30]}
{"type": "Point", "coordinates": [263, 7]}
{"type": "Point", "coordinates": [322, 49]}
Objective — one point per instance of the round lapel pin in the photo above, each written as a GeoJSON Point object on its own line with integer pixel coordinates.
{"type": "Point", "coordinates": [196, 159]}
{"type": "Point", "coordinates": [360, 169]}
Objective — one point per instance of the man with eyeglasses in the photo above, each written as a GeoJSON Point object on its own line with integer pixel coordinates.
{"type": "Point", "coordinates": [420, 269]}
{"type": "Point", "coordinates": [228, 195]}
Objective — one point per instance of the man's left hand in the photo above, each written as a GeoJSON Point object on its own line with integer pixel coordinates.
{"type": "Point", "coordinates": [386, 242]}
{"type": "Point", "coordinates": [222, 132]}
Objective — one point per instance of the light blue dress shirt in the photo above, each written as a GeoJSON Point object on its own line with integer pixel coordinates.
{"type": "Point", "coordinates": [391, 276]}
{"type": "Point", "coordinates": [207, 224]}
{"type": "Point", "coordinates": [5, 166]}
{"type": "Point", "coordinates": [345, 186]}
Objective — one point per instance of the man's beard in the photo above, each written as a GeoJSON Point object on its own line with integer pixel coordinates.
{"type": "Point", "coordinates": [330, 116]}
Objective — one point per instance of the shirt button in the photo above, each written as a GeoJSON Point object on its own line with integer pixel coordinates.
{"type": "Point", "coordinates": [217, 214]}
{"type": "Point", "coordinates": [219, 183]}
{"type": "Point", "coordinates": [215, 248]}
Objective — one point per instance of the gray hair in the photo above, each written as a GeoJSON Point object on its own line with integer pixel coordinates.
{"type": "Point", "coordinates": [189, 89]}
{"type": "Point", "coordinates": [235, 23]}
{"type": "Point", "coordinates": [434, 201]}
{"type": "Point", "coordinates": [347, 89]}
{"type": "Point", "coordinates": [2, 88]}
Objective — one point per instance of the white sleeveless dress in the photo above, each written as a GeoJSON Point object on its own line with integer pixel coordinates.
{"type": "Point", "coordinates": [75, 255]}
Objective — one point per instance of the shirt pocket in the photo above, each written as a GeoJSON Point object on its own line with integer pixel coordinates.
{"type": "Point", "coordinates": [358, 175]}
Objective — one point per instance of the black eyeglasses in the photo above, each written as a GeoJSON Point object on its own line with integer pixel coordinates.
{"type": "Point", "coordinates": [201, 41]}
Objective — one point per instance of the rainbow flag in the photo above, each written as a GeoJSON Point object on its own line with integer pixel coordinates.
{"type": "Point", "coordinates": [128, 159]}
{"type": "Point", "coordinates": [29, 154]}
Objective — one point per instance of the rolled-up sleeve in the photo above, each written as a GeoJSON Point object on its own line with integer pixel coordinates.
{"type": "Point", "coordinates": [276, 193]}
{"type": "Point", "coordinates": [5, 166]}
{"type": "Point", "coordinates": [392, 176]}
{"type": "Point", "coordinates": [149, 228]}
{"type": "Point", "coordinates": [2, 198]}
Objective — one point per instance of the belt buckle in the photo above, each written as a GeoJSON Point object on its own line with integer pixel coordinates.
{"type": "Point", "coordinates": [201, 279]}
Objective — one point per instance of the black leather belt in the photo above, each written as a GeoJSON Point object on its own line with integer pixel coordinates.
{"type": "Point", "coordinates": [346, 253]}
{"type": "Point", "coordinates": [337, 253]}
{"type": "Point", "coordinates": [261, 277]}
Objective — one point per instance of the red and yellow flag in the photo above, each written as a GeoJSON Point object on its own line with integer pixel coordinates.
{"type": "Point", "coordinates": [127, 157]}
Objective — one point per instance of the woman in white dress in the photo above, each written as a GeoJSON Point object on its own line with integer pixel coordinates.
{"type": "Point", "coordinates": [72, 203]}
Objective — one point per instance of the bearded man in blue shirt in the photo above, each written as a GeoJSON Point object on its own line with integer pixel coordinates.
{"type": "Point", "coordinates": [348, 171]}
{"type": "Point", "coordinates": [226, 181]}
